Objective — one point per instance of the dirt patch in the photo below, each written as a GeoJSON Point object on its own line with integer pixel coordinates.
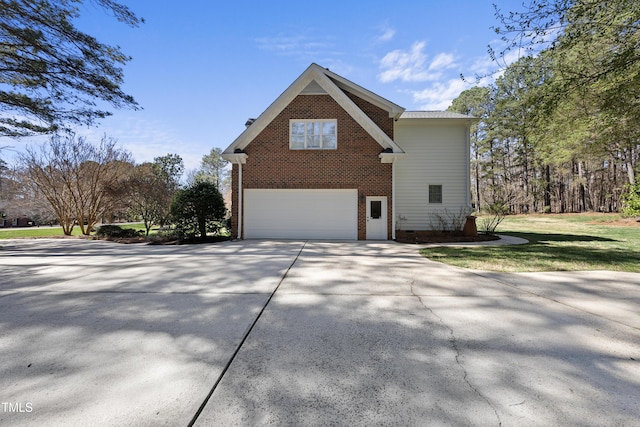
{"type": "Point", "coordinates": [621, 222]}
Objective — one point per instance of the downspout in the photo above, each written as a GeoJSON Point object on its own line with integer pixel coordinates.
{"type": "Point", "coordinates": [240, 215]}
{"type": "Point", "coordinates": [393, 199]}
{"type": "Point", "coordinates": [468, 174]}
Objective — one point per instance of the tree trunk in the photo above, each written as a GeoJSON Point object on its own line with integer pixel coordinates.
{"type": "Point", "coordinates": [582, 204]}
{"type": "Point", "coordinates": [202, 226]}
{"type": "Point", "coordinates": [630, 173]}
{"type": "Point", "coordinates": [547, 188]}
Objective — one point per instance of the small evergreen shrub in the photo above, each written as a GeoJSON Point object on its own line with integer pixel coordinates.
{"type": "Point", "coordinates": [111, 230]}
{"type": "Point", "coordinates": [631, 201]}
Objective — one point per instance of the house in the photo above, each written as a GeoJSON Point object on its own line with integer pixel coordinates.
{"type": "Point", "coordinates": [329, 159]}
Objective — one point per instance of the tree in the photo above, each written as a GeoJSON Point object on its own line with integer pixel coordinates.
{"type": "Point", "coordinates": [82, 182]}
{"type": "Point", "coordinates": [475, 102]}
{"type": "Point", "coordinates": [514, 128]}
{"type": "Point", "coordinates": [632, 201]}
{"type": "Point", "coordinates": [198, 209]}
{"type": "Point", "coordinates": [559, 26]}
{"type": "Point", "coordinates": [171, 166]}
{"type": "Point", "coordinates": [18, 199]}
{"type": "Point", "coordinates": [214, 169]}
{"type": "Point", "coordinates": [564, 130]}
{"type": "Point", "coordinates": [593, 49]}
{"type": "Point", "coordinates": [51, 74]}
{"type": "Point", "coordinates": [148, 195]}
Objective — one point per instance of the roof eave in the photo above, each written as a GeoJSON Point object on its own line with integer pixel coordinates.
{"type": "Point", "coordinates": [394, 110]}
{"type": "Point", "coordinates": [329, 82]}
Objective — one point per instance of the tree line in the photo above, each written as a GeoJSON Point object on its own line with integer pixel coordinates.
{"type": "Point", "coordinates": [77, 183]}
{"type": "Point", "coordinates": [55, 77]}
{"type": "Point", "coordinates": [559, 130]}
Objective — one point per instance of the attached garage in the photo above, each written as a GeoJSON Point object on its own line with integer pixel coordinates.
{"type": "Point", "coordinates": [300, 214]}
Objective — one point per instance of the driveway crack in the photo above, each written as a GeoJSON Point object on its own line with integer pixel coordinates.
{"type": "Point", "coordinates": [453, 340]}
{"type": "Point", "coordinates": [244, 339]}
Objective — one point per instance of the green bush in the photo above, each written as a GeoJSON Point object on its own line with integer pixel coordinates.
{"type": "Point", "coordinates": [198, 210]}
{"type": "Point", "coordinates": [111, 230]}
{"type": "Point", "coordinates": [631, 201]}
{"type": "Point", "coordinates": [169, 233]}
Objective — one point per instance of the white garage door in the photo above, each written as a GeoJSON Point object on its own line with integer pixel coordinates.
{"type": "Point", "coordinates": [300, 214]}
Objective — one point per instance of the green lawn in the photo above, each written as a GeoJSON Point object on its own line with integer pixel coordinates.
{"type": "Point", "coordinates": [17, 233]}
{"type": "Point", "coordinates": [26, 232]}
{"type": "Point", "coordinates": [556, 243]}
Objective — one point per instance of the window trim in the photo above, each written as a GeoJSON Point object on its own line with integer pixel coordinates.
{"type": "Point", "coordinates": [441, 193]}
{"type": "Point", "coordinates": [305, 121]}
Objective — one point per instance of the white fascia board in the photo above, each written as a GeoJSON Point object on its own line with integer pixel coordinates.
{"type": "Point", "coordinates": [354, 111]}
{"type": "Point", "coordinates": [270, 113]}
{"type": "Point", "coordinates": [319, 74]}
{"type": "Point", "coordinates": [394, 109]}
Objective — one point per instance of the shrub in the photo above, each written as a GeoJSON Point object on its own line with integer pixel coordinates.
{"type": "Point", "coordinates": [497, 212]}
{"type": "Point", "coordinates": [631, 201]}
{"type": "Point", "coordinates": [197, 210]}
{"type": "Point", "coordinates": [111, 230]}
{"type": "Point", "coordinates": [169, 233]}
{"type": "Point", "coordinates": [446, 220]}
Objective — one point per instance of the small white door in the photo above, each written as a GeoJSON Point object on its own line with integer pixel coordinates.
{"type": "Point", "coordinates": [376, 218]}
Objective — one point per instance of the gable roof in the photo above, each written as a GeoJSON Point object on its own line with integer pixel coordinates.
{"type": "Point", "coordinates": [316, 79]}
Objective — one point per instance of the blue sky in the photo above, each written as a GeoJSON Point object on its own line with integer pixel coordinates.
{"type": "Point", "coordinates": [200, 68]}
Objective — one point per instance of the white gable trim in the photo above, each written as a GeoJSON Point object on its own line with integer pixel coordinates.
{"type": "Point", "coordinates": [354, 111]}
{"type": "Point", "coordinates": [395, 111]}
{"type": "Point", "coordinates": [320, 76]}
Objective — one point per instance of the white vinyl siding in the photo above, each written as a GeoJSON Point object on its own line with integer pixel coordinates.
{"type": "Point", "coordinates": [437, 154]}
{"type": "Point", "coordinates": [300, 214]}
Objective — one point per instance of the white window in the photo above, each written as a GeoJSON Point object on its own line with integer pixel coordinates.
{"type": "Point", "coordinates": [313, 134]}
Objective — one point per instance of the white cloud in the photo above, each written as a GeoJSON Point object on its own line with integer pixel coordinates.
{"type": "Point", "coordinates": [486, 70]}
{"type": "Point", "coordinates": [298, 45]}
{"type": "Point", "coordinates": [387, 34]}
{"type": "Point", "coordinates": [281, 43]}
{"type": "Point", "coordinates": [440, 95]}
{"type": "Point", "coordinates": [411, 65]}
{"type": "Point", "coordinates": [144, 138]}
{"type": "Point", "coordinates": [404, 65]}
{"type": "Point", "coordinates": [442, 61]}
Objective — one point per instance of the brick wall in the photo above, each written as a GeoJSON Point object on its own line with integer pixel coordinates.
{"type": "Point", "coordinates": [354, 164]}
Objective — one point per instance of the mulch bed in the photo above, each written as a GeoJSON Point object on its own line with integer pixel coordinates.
{"type": "Point", "coordinates": [417, 237]}
{"type": "Point", "coordinates": [166, 241]}
{"type": "Point", "coordinates": [425, 237]}
{"type": "Point", "coordinates": [413, 238]}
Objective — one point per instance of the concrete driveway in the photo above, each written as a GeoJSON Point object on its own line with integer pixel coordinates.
{"type": "Point", "coordinates": [307, 333]}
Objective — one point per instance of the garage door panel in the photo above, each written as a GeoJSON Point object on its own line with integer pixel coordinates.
{"type": "Point", "coordinates": [300, 214]}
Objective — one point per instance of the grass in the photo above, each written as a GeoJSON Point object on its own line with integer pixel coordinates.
{"type": "Point", "coordinates": [34, 232]}
{"type": "Point", "coordinates": [18, 233]}
{"type": "Point", "coordinates": [31, 232]}
{"type": "Point", "coordinates": [556, 243]}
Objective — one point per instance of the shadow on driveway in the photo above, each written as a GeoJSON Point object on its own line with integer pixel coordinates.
{"type": "Point", "coordinates": [357, 334]}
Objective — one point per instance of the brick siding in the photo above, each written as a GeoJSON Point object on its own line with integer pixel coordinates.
{"type": "Point", "coordinates": [354, 164]}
